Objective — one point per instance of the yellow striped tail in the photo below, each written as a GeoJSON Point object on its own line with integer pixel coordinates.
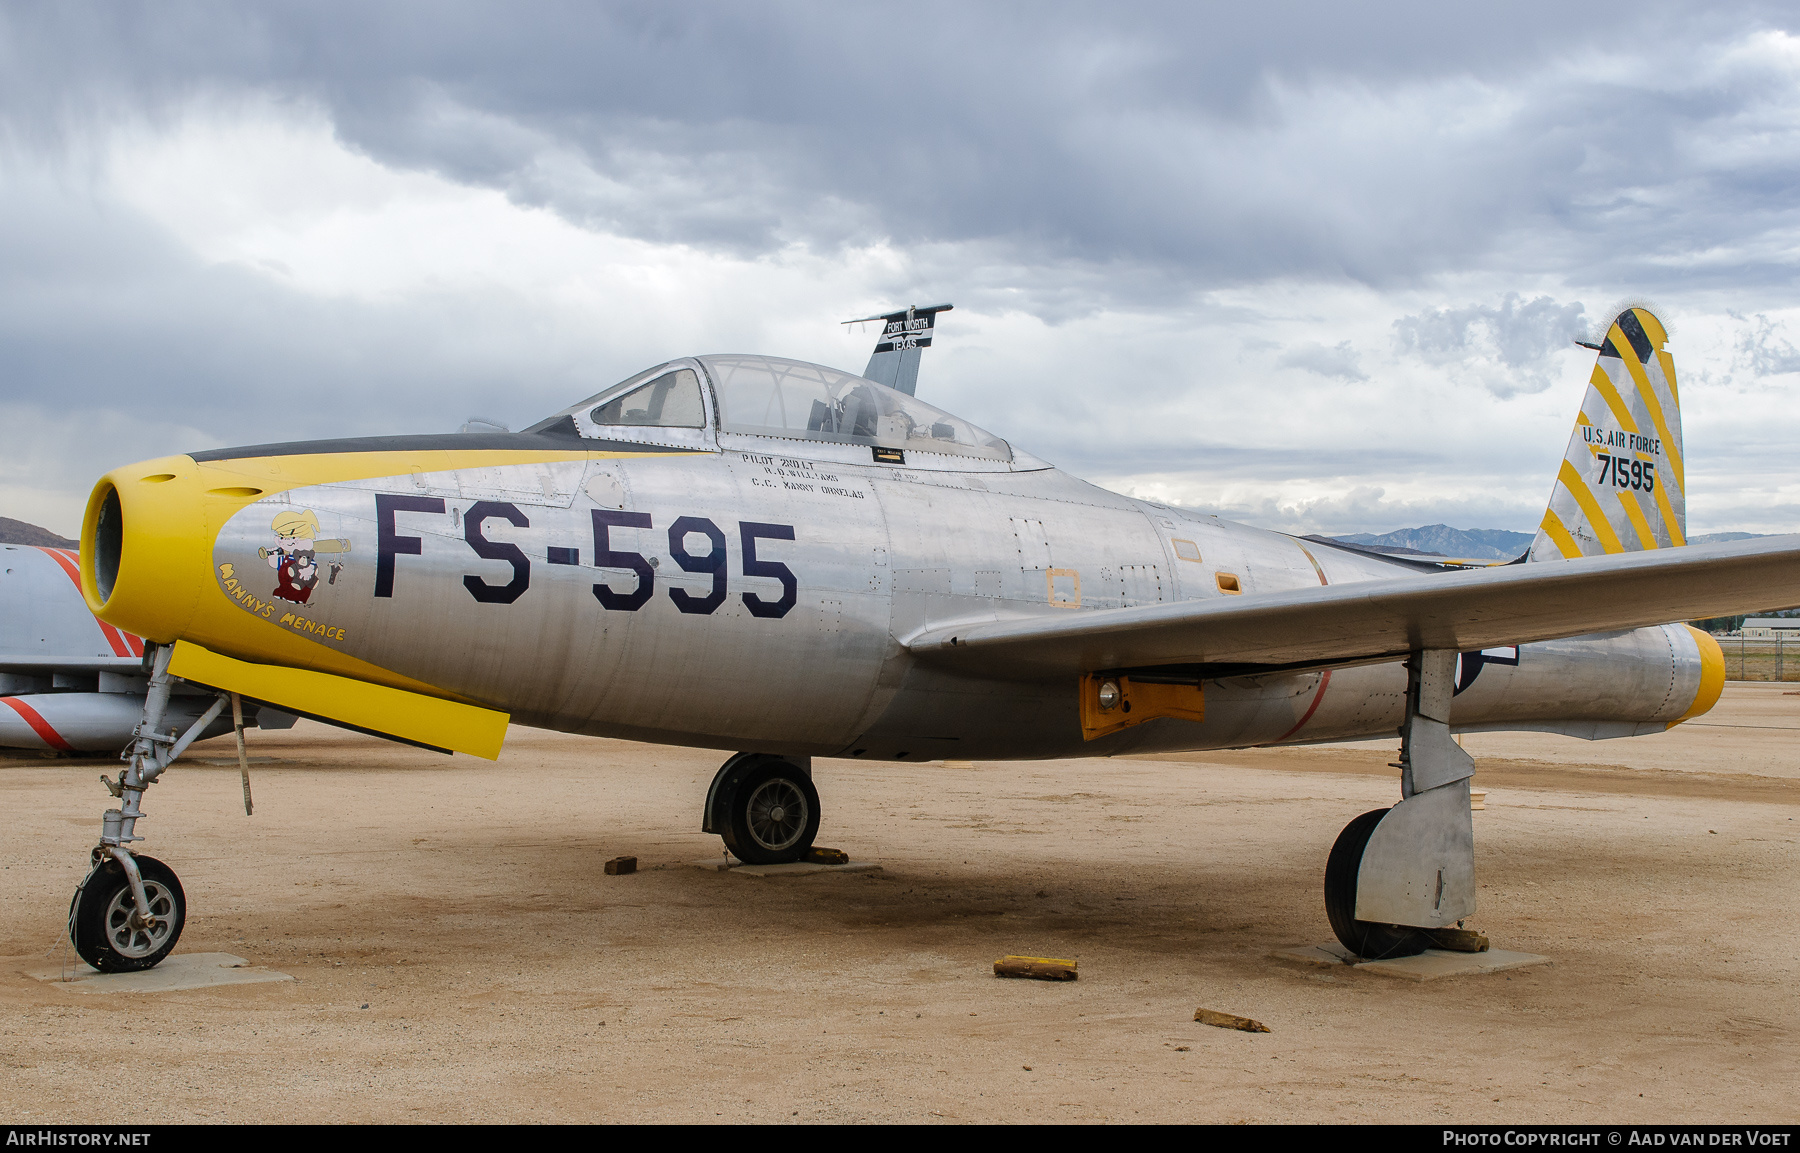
{"type": "Point", "coordinates": [1622, 486]}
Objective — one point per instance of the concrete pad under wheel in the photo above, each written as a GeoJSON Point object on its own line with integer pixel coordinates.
{"type": "Point", "coordinates": [179, 971]}
{"type": "Point", "coordinates": [1427, 966]}
{"type": "Point", "coordinates": [791, 869]}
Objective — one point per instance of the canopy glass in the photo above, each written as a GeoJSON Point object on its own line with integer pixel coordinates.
{"type": "Point", "coordinates": [769, 396]}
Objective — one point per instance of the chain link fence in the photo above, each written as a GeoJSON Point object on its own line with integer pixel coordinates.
{"type": "Point", "coordinates": [1759, 658]}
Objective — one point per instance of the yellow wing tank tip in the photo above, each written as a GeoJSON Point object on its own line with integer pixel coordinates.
{"type": "Point", "coordinates": [413, 717]}
{"type": "Point", "coordinates": [1712, 676]}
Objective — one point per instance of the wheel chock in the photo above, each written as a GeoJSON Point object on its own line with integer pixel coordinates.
{"type": "Point", "coordinates": [1453, 940]}
{"type": "Point", "coordinates": [1229, 1021]}
{"type": "Point", "coordinates": [1035, 968]}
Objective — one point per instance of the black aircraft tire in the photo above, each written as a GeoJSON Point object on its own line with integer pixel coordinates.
{"type": "Point", "coordinates": [774, 815]}
{"type": "Point", "coordinates": [1366, 939]}
{"type": "Point", "coordinates": [99, 917]}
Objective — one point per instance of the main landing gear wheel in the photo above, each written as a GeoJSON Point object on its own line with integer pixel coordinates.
{"type": "Point", "coordinates": [773, 816]}
{"type": "Point", "coordinates": [1366, 939]}
{"type": "Point", "coordinates": [104, 925]}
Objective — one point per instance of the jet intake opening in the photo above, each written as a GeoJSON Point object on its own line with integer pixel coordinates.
{"type": "Point", "coordinates": [109, 533]}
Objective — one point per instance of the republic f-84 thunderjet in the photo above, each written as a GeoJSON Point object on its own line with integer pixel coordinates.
{"type": "Point", "coordinates": [789, 561]}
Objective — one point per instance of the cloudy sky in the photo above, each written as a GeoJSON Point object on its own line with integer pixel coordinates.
{"type": "Point", "coordinates": [1316, 266]}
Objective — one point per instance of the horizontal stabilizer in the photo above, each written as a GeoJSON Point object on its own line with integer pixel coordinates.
{"type": "Point", "coordinates": [1320, 626]}
{"type": "Point", "coordinates": [411, 717]}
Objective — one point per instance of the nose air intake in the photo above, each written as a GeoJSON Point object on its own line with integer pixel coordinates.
{"type": "Point", "coordinates": [145, 547]}
{"type": "Point", "coordinates": [108, 537]}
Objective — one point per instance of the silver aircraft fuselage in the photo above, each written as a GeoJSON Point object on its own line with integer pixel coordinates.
{"type": "Point", "coordinates": [710, 588]}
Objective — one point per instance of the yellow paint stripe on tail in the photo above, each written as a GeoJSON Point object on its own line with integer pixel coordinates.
{"type": "Point", "coordinates": [1648, 392]}
{"type": "Point", "coordinates": [1668, 367]}
{"type": "Point", "coordinates": [1635, 514]}
{"type": "Point", "coordinates": [1604, 386]}
{"type": "Point", "coordinates": [1653, 327]}
{"type": "Point", "coordinates": [1554, 529]}
{"type": "Point", "coordinates": [1668, 514]}
{"type": "Point", "coordinates": [1603, 529]}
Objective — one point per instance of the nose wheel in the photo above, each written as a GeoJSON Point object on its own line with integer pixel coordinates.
{"type": "Point", "coordinates": [771, 812]}
{"type": "Point", "coordinates": [107, 928]}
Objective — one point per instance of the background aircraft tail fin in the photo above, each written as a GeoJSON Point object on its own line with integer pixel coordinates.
{"type": "Point", "coordinates": [903, 335]}
{"type": "Point", "coordinates": [1622, 486]}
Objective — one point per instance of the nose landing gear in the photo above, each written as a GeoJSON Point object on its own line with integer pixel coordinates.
{"type": "Point", "coordinates": [105, 926]}
{"type": "Point", "coordinates": [129, 911]}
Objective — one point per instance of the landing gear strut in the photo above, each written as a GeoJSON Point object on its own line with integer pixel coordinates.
{"type": "Point", "coordinates": [129, 911]}
{"type": "Point", "coordinates": [764, 807]}
{"type": "Point", "coordinates": [1396, 874]}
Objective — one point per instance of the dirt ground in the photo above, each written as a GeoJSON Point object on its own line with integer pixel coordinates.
{"type": "Point", "coordinates": [461, 956]}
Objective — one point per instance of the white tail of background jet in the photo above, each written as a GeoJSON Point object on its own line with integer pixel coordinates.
{"type": "Point", "coordinates": [1622, 486]}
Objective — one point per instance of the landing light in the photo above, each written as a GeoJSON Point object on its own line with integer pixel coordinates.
{"type": "Point", "coordinates": [1109, 695]}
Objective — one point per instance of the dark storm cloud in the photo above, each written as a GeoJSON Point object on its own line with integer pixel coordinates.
{"type": "Point", "coordinates": [1218, 198]}
{"type": "Point", "coordinates": [100, 310]}
{"type": "Point", "coordinates": [1177, 146]}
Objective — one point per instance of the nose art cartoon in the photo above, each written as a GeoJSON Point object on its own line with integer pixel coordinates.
{"type": "Point", "coordinates": [295, 555]}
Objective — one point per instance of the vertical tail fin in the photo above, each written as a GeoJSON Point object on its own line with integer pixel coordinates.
{"type": "Point", "coordinates": [903, 334]}
{"type": "Point", "coordinates": [1622, 486]}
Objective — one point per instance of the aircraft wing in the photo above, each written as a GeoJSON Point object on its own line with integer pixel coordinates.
{"type": "Point", "coordinates": [1383, 619]}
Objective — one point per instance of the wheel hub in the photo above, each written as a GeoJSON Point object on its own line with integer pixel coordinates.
{"type": "Point", "coordinates": [777, 814]}
{"type": "Point", "coordinates": [126, 931]}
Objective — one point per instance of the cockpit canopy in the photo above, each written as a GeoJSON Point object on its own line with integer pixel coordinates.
{"type": "Point", "coordinates": [769, 396]}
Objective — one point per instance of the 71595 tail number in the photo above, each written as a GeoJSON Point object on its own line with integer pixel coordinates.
{"type": "Point", "coordinates": [1619, 472]}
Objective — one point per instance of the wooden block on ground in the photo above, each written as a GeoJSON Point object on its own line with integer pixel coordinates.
{"type": "Point", "coordinates": [1229, 1021]}
{"type": "Point", "coordinates": [619, 866]}
{"type": "Point", "coordinates": [1458, 940]}
{"type": "Point", "coordinates": [822, 856]}
{"type": "Point", "coordinates": [1035, 968]}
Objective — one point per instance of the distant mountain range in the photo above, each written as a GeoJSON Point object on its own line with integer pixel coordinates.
{"type": "Point", "coordinates": [1714, 537]}
{"type": "Point", "coordinates": [1442, 540]}
{"type": "Point", "coordinates": [18, 532]}
{"type": "Point", "coordinates": [1475, 543]}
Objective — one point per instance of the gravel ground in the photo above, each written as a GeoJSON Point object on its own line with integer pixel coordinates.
{"type": "Point", "coordinates": [461, 956]}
